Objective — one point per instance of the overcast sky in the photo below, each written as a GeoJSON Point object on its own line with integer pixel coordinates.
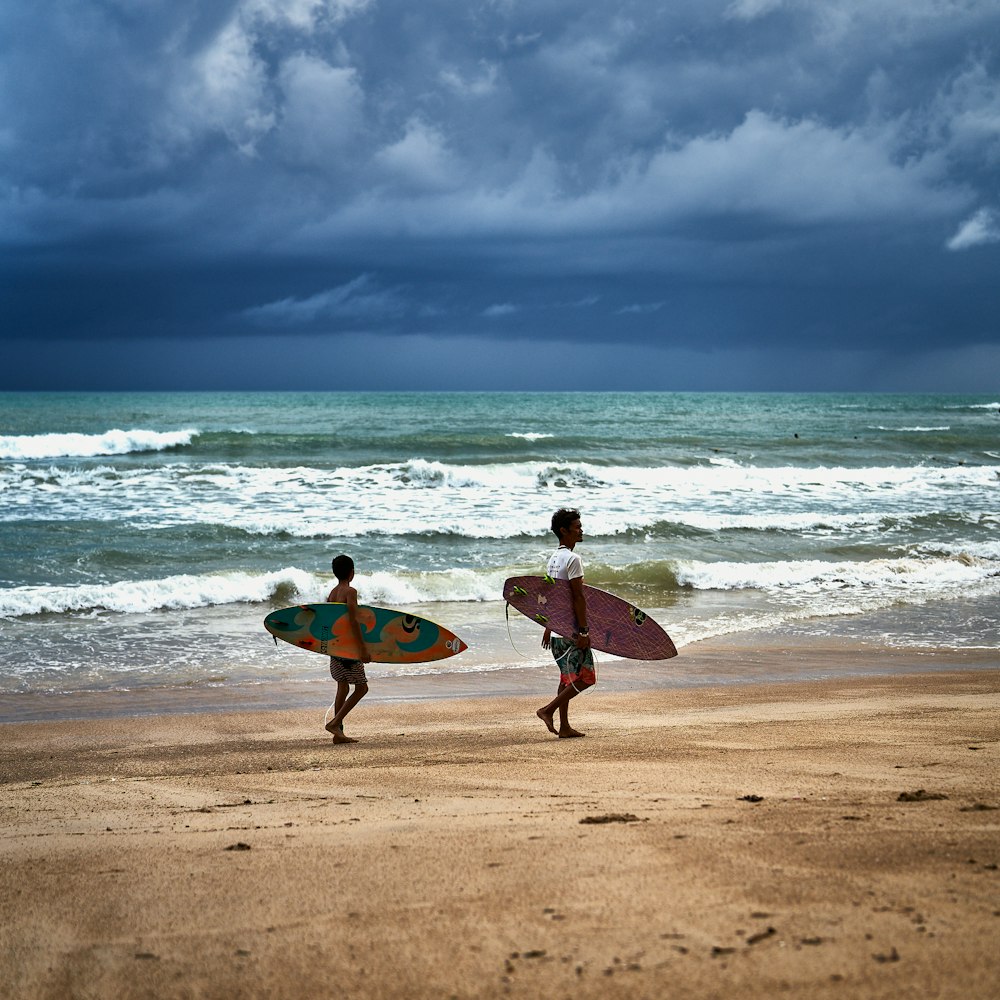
{"type": "Point", "coordinates": [437, 194]}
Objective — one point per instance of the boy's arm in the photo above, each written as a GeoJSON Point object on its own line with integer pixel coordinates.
{"type": "Point", "coordinates": [352, 614]}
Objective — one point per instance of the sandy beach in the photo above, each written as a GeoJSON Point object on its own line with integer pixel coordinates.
{"type": "Point", "coordinates": [837, 838]}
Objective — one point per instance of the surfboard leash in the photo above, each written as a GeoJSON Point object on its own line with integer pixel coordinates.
{"type": "Point", "coordinates": [510, 637]}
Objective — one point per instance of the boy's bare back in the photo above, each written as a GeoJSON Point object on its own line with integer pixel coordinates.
{"type": "Point", "coordinates": [343, 593]}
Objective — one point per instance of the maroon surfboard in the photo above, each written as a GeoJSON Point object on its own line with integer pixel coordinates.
{"type": "Point", "coordinates": [616, 626]}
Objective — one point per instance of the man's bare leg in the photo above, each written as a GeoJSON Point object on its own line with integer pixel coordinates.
{"type": "Point", "coordinates": [566, 731]}
{"type": "Point", "coordinates": [546, 717]}
{"type": "Point", "coordinates": [547, 712]}
{"type": "Point", "coordinates": [560, 704]}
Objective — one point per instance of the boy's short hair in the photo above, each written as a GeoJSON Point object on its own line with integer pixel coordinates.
{"type": "Point", "coordinates": [562, 519]}
{"type": "Point", "coordinates": [343, 566]}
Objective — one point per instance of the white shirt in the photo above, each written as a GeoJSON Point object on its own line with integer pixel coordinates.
{"type": "Point", "coordinates": [565, 564]}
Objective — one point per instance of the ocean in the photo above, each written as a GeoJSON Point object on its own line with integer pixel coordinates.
{"type": "Point", "coordinates": [144, 536]}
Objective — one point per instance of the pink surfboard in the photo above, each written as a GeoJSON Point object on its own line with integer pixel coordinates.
{"type": "Point", "coordinates": [616, 626]}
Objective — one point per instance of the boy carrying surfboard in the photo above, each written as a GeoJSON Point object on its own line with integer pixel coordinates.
{"type": "Point", "coordinates": [347, 672]}
{"type": "Point", "coordinates": [574, 656]}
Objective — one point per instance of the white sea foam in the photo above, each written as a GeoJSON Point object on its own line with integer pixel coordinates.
{"type": "Point", "coordinates": [984, 549]}
{"type": "Point", "coordinates": [420, 497]}
{"type": "Point", "coordinates": [421, 588]}
{"type": "Point", "coordinates": [863, 585]}
{"type": "Point", "coordinates": [530, 435]}
{"type": "Point", "coordinates": [887, 577]}
{"type": "Point", "coordinates": [916, 430]}
{"type": "Point", "coordinates": [169, 593]}
{"type": "Point", "coordinates": [291, 584]}
{"type": "Point", "coordinates": [25, 447]}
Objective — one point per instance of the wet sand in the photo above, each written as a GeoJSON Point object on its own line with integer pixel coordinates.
{"type": "Point", "coordinates": [836, 838]}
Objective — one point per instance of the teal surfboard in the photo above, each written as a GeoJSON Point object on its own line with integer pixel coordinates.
{"type": "Point", "coordinates": [391, 636]}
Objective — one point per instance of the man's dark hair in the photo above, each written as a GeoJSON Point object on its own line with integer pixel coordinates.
{"type": "Point", "coordinates": [343, 566]}
{"type": "Point", "coordinates": [562, 519]}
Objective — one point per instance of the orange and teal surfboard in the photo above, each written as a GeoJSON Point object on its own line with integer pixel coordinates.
{"type": "Point", "coordinates": [391, 636]}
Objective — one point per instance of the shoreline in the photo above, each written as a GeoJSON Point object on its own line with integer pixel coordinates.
{"type": "Point", "coordinates": [715, 841]}
{"type": "Point", "coordinates": [738, 659]}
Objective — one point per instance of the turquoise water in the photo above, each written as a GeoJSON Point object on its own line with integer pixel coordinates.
{"type": "Point", "coordinates": [144, 536]}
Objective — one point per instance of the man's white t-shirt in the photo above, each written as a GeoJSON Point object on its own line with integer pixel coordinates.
{"type": "Point", "coordinates": [565, 564]}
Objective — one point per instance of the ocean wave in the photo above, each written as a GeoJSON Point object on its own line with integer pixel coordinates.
{"type": "Point", "coordinates": [655, 576]}
{"type": "Point", "coordinates": [779, 591]}
{"type": "Point", "coordinates": [170, 593]}
{"type": "Point", "coordinates": [886, 577]}
{"type": "Point", "coordinates": [422, 498]}
{"type": "Point", "coordinates": [982, 549]}
{"type": "Point", "coordinates": [912, 430]}
{"type": "Point", "coordinates": [529, 435]}
{"type": "Point", "coordinates": [420, 472]}
{"type": "Point", "coordinates": [31, 447]}
{"type": "Point", "coordinates": [451, 586]}
{"type": "Point", "coordinates": [285, 586]}
{"type": "Point", "coordinates": [720, 477]}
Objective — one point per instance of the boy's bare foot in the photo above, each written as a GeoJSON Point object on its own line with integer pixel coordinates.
{"type": "Point", "coordinates": [546, 717]}
{"type": "Point", "coordinates": [568, 733]}
{"type": "Point", "coordinates": [331, 728]}
{"type": "Point", "coordinates": [339, 737]}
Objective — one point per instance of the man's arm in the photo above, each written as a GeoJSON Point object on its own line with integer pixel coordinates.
{"type": "Point", "coordinates": [580, 613]}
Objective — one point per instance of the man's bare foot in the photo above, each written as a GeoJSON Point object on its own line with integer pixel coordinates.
{"type": "Point", "coordinates": [331, 728]}
{"type": "Point", "coordinates": [568, 733]}
{"type": "Point", "coordinates": [546, 717]}
{"type": "Point", "coordinates": [339, 737]}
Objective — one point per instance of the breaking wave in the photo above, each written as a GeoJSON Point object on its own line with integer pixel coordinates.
{"type": "Point", "coordinates": [29, 447]}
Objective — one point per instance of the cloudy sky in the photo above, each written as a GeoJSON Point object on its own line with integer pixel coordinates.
{"type": "Point", "coordinates": [435, 194]}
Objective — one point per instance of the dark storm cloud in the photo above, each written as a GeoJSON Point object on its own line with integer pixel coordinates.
{"type": "Point", "coordinates": [736, 174]}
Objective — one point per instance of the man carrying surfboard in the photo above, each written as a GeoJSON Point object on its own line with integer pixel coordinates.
{"type": "Point", "coordinates": [347, 672]}
{"type": "Point", "coordinates": [574, 656]}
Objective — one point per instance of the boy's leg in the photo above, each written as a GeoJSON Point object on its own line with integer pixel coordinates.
{"type": "Point", "coordinates": [343, 688]}
{"type": "Point", "coordinates": [338, 703]}
{"type": "Point", "coordinates": [336, 724]}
